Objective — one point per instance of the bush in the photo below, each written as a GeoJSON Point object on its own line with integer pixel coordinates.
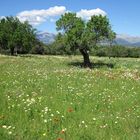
{"type": "Point", "coordinates": [38, 49]}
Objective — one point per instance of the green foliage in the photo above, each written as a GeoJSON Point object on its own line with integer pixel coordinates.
{"type": "Point", "coordinates": [98, 29]}
{"type": "Point", "coordinates": [116, 51]}
{"type": "Point", "coordinates": [82, 35]}
{"type": "Point", "coordinates": [72, 28]}
{"type": "Point", "coordinates": [16, 36]}
{"type": "Point", "coordinates": [59, 47]}
{"type": "Point", "coordinates": [39, 48]}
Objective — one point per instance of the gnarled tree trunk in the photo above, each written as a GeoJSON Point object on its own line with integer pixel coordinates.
{"type": "Point", "coordinates": [87, 63]}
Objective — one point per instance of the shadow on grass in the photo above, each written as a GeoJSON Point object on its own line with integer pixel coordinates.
{"type": "Point", "coordinates": [93, 65]}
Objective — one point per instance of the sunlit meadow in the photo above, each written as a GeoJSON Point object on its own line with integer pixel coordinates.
{"type": "Point", "coordinates": [53, 98]}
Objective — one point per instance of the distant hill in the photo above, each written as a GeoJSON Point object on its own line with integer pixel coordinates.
{"type": "Point", "coordinates": [46, 37]}
{"type": "Point", "coordinates": [121, 39]}
{"type": "Point", "coordinates": [127, 40]}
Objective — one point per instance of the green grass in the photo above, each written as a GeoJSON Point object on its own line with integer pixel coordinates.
{"type": "Point", "coordinates": [48, 98]}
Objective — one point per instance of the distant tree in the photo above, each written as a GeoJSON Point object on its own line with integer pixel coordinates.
{"type": "Point", "coordinates": [15, 35]}
{"type": "Point", "coordinates": [39, 48]}
{"type": "Point", "coordinates": [3, 34]}
{"type": "Point", "coordinates": [61, 44]}
{"type": "Point", "coordinates": [83, 35]}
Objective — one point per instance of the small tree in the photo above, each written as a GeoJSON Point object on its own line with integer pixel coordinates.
{"type": "Point", "coordinates": [82, 35]}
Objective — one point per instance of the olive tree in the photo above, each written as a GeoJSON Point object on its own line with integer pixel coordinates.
{"type": "Point", "coordinates": [82, 35]}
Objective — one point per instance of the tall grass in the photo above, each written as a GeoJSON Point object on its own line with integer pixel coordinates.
{"type": "Point", "coordinates": [51, 98]}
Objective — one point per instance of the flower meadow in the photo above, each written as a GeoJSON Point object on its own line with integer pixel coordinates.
{"type": "Point", "coordinates": [50, 98]}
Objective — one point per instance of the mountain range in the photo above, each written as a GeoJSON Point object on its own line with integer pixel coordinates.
{"type": "Point", "coordinates": [127, 40]}
{"type": "Point", "coordinates": [45, 37]}
{"type": "Point", "coordinates": [121, 39]}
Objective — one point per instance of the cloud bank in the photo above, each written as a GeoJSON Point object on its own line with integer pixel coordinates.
{"type": "Point", "coordinates": [86, 14]}
{"type": "Point", "coordinates": [36, 17]}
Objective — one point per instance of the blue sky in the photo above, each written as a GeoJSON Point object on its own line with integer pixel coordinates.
{"type": "Point", "coordinates": [124, 15]}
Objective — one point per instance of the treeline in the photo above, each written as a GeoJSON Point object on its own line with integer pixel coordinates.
{"type": "Point", "coordinates": [101, 51]}
{"type": "Point", "coordinates": [20, 38]}
{"type": "Point", "coordinates": [116, 51]}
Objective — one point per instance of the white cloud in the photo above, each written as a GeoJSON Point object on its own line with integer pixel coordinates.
{"type": "Point", "coordinates": [86, 14]}
{"type": "Point", "coordinates": [36, 17]}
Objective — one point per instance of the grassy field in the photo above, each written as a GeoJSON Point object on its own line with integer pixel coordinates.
{"type": "Point", "coordinates": [53, 98]}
